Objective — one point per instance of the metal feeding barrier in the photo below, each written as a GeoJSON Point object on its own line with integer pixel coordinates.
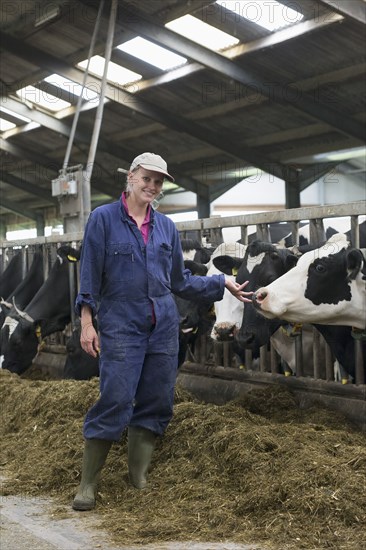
{"type": "Point", "coordinates": [211, 230]}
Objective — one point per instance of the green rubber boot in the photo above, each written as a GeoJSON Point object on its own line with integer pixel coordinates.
{"type": "Point", "coordinates": [95, 454]}
{"type": "Point", "coordinates": [141, 444]}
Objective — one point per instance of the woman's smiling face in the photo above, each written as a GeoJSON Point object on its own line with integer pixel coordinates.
{"type": "Point", "coordinates": [145, 185]}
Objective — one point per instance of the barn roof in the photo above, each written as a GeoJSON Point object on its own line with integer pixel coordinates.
{"type": "Point", "coordinates": [290, 102]}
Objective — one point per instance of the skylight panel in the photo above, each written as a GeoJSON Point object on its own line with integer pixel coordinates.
{"type": "Point", "coordinates": [270, 14]}
{"type": "Point", "coordinates": [6, 125]}
{"type": "Point", "coordinates": [194, 29]}
{"type": "Point", "coordinates": [42, 98]}
{"type": "Point", "coordinates": [71, 87]}
{"type": "Point", "coordinates": [115, 72]}
{"type": "Point", "coordinates": [152, 53]}
{"type": "Point", "coordinates": [14, 114]}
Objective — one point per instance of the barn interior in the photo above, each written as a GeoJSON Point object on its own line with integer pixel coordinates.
{"type": "Point", "coordinates": [251, 457]}
{"type": "Point", "coordinates": [286, 99]}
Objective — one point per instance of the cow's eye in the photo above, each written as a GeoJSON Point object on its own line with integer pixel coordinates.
{"type": "Point", "coordinates": [320, 268]}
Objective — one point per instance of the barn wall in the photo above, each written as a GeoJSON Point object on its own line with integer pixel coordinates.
{"type": "Point", "coordinates": [266, 192]}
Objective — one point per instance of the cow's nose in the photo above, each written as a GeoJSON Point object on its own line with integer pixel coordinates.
{"type": "Point", "coordinates": [259, 296]}
{"type": "Point", "coordinates": [225, 332]}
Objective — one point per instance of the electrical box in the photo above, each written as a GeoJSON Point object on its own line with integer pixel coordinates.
{"type": "Point", "coordinates": [64, 185]}
{"type": "Point", "coordinates": [68, 188]}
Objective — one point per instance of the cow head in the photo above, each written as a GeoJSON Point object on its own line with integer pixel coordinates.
{"type": "Point", "coordinates": [326, 287]}
{"type": "Point", "coordinates": [5, 307]}
{"type": "Point", "coordinates": [49, 311]}
{"type": "Point", "coordinates": [19, 343]}
{"type": "Point", "coordinates": [195, 315]}
{"type": "Point", "coordinates": [229, 310]}
{"type": "Point", "coordinates": [193, 250]}
{"type": "Point", "coordinates": [262, 262]}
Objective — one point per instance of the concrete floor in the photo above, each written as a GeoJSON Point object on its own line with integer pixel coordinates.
{"type": "Point", "coordinates": [26, 524]}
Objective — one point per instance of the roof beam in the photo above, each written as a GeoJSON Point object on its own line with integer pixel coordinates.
{"type": "Point", "coordinates": [184, 8]}
{"type": "Point", "coordinates": [356, 9]}
{"type": "Point", "coordinates": [24, 153]}
{"type": "Point", "coordinates": [273, 39]}
{"type": "Point", "coordinates": [28, 187]}
{"type": "Point", "coordinates": [218, 63]}
{"type": "Point", "coordinates": [52, 166]}
{"type": "Point", "coordinates": [117, 94]}
{"type": "Point", "coordinates": [52, 123]}
{"type": "Point", "coordinates": [18, 209]}
{"type": "Point", "coordinates": [314, 172]}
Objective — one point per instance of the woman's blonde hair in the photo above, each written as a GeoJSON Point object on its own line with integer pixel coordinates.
{"type": "Point", "coordinates": [128, 188]}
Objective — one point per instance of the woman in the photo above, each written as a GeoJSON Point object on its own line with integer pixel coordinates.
{"type": "Point", "coordinates": [131, 264]}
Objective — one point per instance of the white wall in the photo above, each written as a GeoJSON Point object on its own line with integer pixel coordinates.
{"type": "Point", "coordinates": [266, 192]}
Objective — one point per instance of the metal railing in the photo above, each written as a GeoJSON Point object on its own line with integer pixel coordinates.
{"type": "Point", "coordinates": [211, 229]}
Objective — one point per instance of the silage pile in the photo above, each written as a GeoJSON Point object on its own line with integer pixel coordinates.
{"type": "Point", "coordinates": [256, 471]}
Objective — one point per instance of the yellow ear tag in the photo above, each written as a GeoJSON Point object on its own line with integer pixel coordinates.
{"type": "Point", "coordinates": [38, 331]}
{"type": "Point", "coordinates": [234, 271]}
{"type": "Point", "coordinates": [71, 258]}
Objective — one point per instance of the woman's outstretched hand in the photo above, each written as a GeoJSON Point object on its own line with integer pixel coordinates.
{"type": "Point", "coordinates": [237, 290]}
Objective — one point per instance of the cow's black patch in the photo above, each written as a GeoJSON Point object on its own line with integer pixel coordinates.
{"type": "Point", "coordinates": [255, 330]}
{"type": "Point", "coordinates": [327, 280]}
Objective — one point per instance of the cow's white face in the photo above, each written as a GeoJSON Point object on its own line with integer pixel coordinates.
{"type": "Point", "coordinates": [12, 325]}
{"type": "Point", "coordinates": [317, 290]}
{"type": "Point", "coordinates": [229, 316]}
{"type": "Point", "coordinates": [229, 310]}
{"type": "Point", "coordinates": [189, 254]}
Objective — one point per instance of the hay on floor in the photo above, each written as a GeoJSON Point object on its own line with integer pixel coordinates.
{"type": "Point", "coordinates": [254, 471]}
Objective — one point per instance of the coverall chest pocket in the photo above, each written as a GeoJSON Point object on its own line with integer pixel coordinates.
{"type": "Point", "coordinates": [165, 257]}
{"type": "Point", "coordinates": [120, 262]}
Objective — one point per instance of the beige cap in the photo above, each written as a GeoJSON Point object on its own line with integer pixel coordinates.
{"type": "Point", "coordinates": [150, 161]}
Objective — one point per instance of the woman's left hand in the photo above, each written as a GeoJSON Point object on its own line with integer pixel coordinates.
{"type": "Point", "coordinates": [237, 290]}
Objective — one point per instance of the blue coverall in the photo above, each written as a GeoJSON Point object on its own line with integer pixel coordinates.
{"type": "Point", "coordinates": [122, 280]}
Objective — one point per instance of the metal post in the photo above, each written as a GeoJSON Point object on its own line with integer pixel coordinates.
{"type": "Point", "coordinates": [360, 363]}
{"type": "Point", "coordinates": [299, 356]}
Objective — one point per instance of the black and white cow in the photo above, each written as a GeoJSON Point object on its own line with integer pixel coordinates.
{"type": "Point", "coordinates": [338, 272]}
{"type": "Point", "coordinates": [229, 310]}
{"type": "Point", "coordinates": [196, 316]}
{"type": "Point", "coordinates": [49, 311]}
{"type": "Point", "coordinates": [262, 261]}
{"type": "Point", "coordinates": [25, 291]}
{"type": "Point", "coordinates": [193, 250]}
{"type": "Point", "coordinates": [327, 286]}
{"type": "Point", "coordinates": [12, 276]}
{"type": "Point", "coordinates": [362, 234]}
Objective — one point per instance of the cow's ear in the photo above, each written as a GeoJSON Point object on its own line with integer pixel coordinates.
{"type": "Point", "coordinates": [290, 261]}
{"type": "Point", "coordinates": [354, 263]}
{"type": "Point", "coordinates": [227, 264]}
{"type": "Point", "coordinates": [195, 268]}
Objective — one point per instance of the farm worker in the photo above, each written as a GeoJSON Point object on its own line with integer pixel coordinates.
{"type": "Point", "coordinates": [131, 264]}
